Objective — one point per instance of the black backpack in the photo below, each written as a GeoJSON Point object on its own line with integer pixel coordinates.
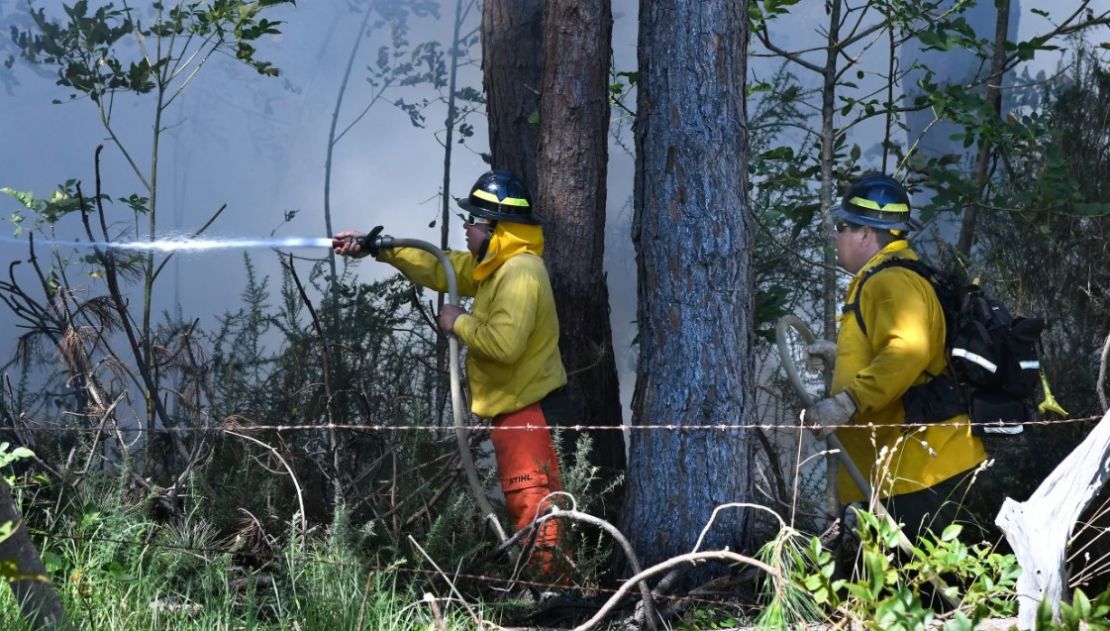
{"type": "Point", "coordinates": [993, 366]}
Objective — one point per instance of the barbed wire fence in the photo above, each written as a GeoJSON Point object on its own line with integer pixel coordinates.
{"type": "Point", "coordinates": [244, 425]}
{"type": "Point", "coordinates": [386, 427]}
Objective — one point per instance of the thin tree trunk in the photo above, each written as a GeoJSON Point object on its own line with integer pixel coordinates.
{"type": "Point", "coordinates": [830, 294]}
{"type": "Point", "coordinates": [445, 214]}
{"type": "Point", "coordinates": [828, 170]}
{"type": "Point", "coordinates": [572, 160]}
{"type": "Point", "coordinates": [982, 160]}
{"type": "Point", "coordinates": [692, 232]}
{"type": "Point", "coordinates": [332, 316]}
{"type": "Point", "coordinates": [152, 393]}
{"type": "Point", "coordinates": [332, 140]}
{"type": "Point", "coordinates": [512, 65]}
{"type": "Point", "coordinates": [37, 597]}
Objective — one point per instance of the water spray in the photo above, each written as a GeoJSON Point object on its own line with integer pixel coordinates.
{"type": "Point", "coordinates": [184, 244]}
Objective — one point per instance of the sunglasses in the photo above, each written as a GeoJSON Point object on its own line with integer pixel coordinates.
{"type": "Point", "coordinates": [474, 220]}
{"type": "Point", "coordinates": [841, 226]}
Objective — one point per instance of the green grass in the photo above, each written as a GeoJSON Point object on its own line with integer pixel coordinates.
{"type": "Point", "coordinates": [117, 571]}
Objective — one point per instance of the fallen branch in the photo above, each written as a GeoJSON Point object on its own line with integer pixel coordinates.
{"type": "Point", "coordinates": [428, 598]}
{"type": "Point", "coordinates": [473, 615]}
{"type": "Point", "coordinates": [574, 514]}
{"type": "Point", "coordinates": [692, 557]}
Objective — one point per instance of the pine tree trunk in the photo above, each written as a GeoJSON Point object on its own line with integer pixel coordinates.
{"type": "Point", "coordinates": [692, 232]}
{"type": "Point", "coordinates": [512, 67]}
{"type": "Point", "coordinates": [572, 166]}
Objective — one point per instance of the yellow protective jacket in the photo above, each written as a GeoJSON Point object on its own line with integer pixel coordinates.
{"type": "Point", "coordinates": [512, 331]}
{"type": "Point", "coordinates": [904, 344]}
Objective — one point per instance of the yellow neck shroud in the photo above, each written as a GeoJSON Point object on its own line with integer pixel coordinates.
{"type": "Point", "coordinates": [508, 240]}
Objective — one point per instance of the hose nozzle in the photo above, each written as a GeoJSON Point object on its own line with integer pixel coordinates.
{"type": "Point", "coordinates": [374, 241]}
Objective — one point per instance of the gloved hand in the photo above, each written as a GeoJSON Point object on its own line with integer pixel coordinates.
{"type": "Point", "coordinates": [447, 316]}
{"type": "Point", "coordinates": [826, 414]}
{"type": "Point", "coordinates": [821, 351]}
{"type": "Point", "coordinates": [356, 244]}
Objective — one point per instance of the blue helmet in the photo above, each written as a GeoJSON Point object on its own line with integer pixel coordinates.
{"type": "Point", "coordinates": [877, 201]}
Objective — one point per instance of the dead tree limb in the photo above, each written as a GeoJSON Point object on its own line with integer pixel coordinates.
{"type": "Point", "coordinates": [1038, 529]}
{"type": "Point", "coordinates": [288, 469]}
{"type": "Point", "coordinates": [473, 615]}
{"type": "Point", "coordinates": [682, 559]}
{"type": "Point", "coordinates": [333, 440]}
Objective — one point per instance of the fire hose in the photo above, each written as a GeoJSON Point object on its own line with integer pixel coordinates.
{"type": "Point", "coordinates": [781, 336]}
{"type": "Point", "coordinates": [467, 461]}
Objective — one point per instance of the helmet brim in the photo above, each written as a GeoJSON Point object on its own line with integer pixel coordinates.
{"type": "Point", "coordinates": [871, 222]}
{"type": "Point", "coordinates": [470, 207]}
{"type": "Point", "coordinates": [479, 211]}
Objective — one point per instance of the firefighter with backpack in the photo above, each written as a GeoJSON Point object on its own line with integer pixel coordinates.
{"type": "Point", "coordinates": [890, 345]}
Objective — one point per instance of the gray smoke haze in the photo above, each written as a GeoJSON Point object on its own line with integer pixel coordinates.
{"type": "Point", "coordinates": [258, 145]}
{"type": "Point", "coordinates": [254, 143]}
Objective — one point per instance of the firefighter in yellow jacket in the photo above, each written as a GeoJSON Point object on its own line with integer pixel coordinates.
{"type": "Point", "coordinates": [891, 339]}
{"type": "Point", "coordinates": [513, 364]}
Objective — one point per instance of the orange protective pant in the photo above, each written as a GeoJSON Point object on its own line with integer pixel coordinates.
{"type": "Point", "coordinates": [529, 471]}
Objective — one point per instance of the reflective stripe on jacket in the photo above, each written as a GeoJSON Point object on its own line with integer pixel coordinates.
{"type": "Point", "coordinates": [511, 333]}
{"type": "Point", "coordinates": [904, 344]}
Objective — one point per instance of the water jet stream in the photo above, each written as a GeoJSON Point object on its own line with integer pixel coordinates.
{"type": "Point", "coordinates": [184, 244]}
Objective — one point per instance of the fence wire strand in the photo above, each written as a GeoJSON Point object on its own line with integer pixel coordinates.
{"type": "Point", "coordinates": [240, 426]}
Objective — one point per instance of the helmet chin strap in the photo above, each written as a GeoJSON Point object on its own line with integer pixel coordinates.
{"type": "Point", "coordinates": [485, 243]}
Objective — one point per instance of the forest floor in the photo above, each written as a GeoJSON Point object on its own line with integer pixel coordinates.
{"type": "Point", "coordinates": [994, 624]}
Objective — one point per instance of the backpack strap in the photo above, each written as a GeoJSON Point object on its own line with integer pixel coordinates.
{"type": "Point", "coordinates": [920, 268]}
{"type": "Point", "coordinates": [939, 398]}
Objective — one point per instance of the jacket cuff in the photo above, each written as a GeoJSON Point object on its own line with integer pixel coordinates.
{"type": "Point", "coordinates": [464, 328]}
{"type": "Point", "coordinates": [851, 399]}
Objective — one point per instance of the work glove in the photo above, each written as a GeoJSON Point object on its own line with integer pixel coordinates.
{"type": "Point", "coordinates": [823, 417]}
{"type": "Point", "coordinates": [821, 351]}
{"type": "Point", "coordinates": [447, 316]}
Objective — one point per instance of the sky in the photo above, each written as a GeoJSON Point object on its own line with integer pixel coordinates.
{"type": "Point", "coordinates": [259, 145]}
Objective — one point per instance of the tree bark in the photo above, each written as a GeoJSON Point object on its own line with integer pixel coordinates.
{"type": "Point", "coordinates": [36, 596]}
{"type": "Point", "coordinates": [692, 233]}
{"type": "Point", "coordinates": [829, 294]}
{"type": "Point", "coordinates": [572, 164]}
{"type": "Point", "coordinates": [512, 67]}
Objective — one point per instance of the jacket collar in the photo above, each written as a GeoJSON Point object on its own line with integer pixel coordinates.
{"type": "Point", "coordinates": [508, 240]}
{"type": "Point", "coordinates": [899, 249]}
